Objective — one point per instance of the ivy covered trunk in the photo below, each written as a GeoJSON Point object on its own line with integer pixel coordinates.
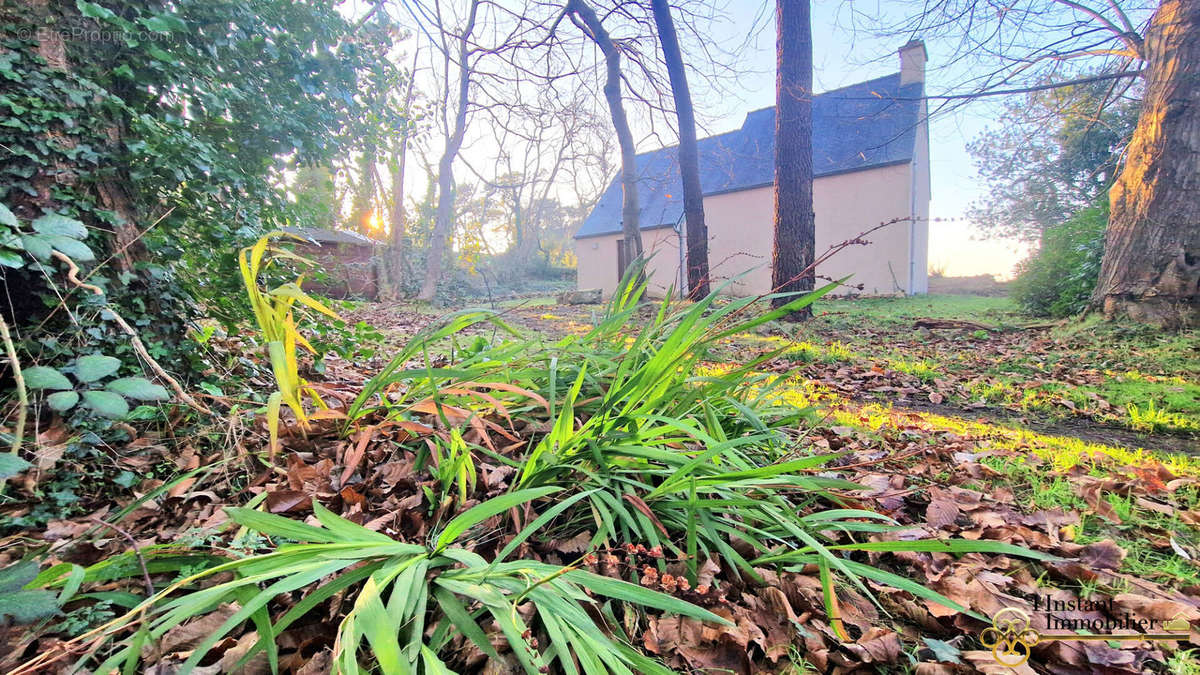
{"type": "Point", "coordinates": [109, 190]}
{"type": "Point", "coordinates": [1151, 268]}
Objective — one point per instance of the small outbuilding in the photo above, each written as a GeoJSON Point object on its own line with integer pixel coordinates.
{"type": "Point", "coordinates": [346, 261]}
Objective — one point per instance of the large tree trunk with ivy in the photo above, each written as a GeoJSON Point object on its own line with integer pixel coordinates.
{"type": "Point", "coordinates": [689, 155]}
{"type": "Point", "coordinates": [632, 240]}
{"type": "Point", "coordinates": [795, 222]}
{"type": "Point", "coordinates": [112, 195]}
{"type": "Point", "coordinates": [1151, 268]}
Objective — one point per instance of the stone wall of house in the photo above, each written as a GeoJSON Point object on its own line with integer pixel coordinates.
{"type": "Point", "coordinates": [349, 270]}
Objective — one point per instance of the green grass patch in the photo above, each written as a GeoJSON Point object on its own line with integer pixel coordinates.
{"type": "Point", "coordinates": [904, 310]}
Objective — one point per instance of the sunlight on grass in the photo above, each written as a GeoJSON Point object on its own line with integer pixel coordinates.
{"type": "Point", "coordinates": [922, 369]}
{"type": "Point", "coordinates": [1062, 452]}
{"type": "Point", "coordinates": [968, 307]}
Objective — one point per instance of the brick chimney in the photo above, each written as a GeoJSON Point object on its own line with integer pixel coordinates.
{"type": "Point", "coordinates": [912, 62]}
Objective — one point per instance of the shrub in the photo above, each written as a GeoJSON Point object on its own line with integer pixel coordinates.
{"type": "Point", "coordinates": [1058, 279]}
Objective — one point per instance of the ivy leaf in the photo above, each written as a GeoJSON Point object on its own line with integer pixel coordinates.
{"type": "Point", "coordinates": [943, 651]}
{"type": "Point", "coordinates": [106, 403]}
{"type": "Point", "coordinates": [95, 366]}
{"type": "Point", "coordinates": [28, 606]}
{"type": "Point", "coordinates": [10, 465]}
{"type": "Point", "coordinates": [44, 377]}
{"type": "Point", "coordinates": [22, 605]}
{"type": "Point", "coordinates": [15, 576]}
{"type": "Point", "coordinates": [77, 250]}
{"type": "Point", "coordinates": [11, 259]}
{"type": "Point", "coordinates": [164, 23]}
{"type": "Point", "coordinates": [53, 223]}
{"type": "Point", "coordinates": [62, 401]}
{"type": "Point", "coordinates": [159, 54]}
{"type": "Point", "coordinates": [7, 217]}
{"type": "Point", "coordinates": [138, 388]}
{"type": "Point", "coordinates": [36, 246]}
{"type": "Point", "coordinates": [94, 11]}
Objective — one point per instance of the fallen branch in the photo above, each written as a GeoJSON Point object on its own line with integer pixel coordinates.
{"type": "Point", "coordinates": [136, 551]}
{"type": "Point", "coordinates": [19, 379]}
{"type": "Point", "coordinates": [950, 324]}
{"type": "Point", "coordinates": [134, 338]}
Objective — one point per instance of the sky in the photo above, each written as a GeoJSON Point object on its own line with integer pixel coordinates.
{"type": "Point", "coordinates": [843, 56]}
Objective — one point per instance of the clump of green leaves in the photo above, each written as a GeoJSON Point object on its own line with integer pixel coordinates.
{"type": "Point", "coordinates": [108, 399]}
{"type": "Point", "coordinates": [30, 246]}
{"type": "Point", "coordinates": [273, 311]}
{"type": "Point", "coordinates": [412, 599]}
{"type": "Point", "coordinates": [23, 602]}
{"type": "Point", "coordinates": [1058, 279]}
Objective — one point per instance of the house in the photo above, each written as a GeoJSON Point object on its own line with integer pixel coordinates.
{"type": "Point", "coordinates": [871, 165]}
{"type": "Point", "coordinates": [345, 262]}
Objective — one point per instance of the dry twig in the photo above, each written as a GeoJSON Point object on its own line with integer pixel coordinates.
{"type": "Point", "coordinates": [22, 395]}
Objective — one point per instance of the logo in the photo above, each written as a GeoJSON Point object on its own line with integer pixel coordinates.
{"type": "Point", "coordinates": [1012, 639]}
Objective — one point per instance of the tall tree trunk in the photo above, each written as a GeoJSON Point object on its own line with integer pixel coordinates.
{"type": "Point", "coordinates": [795, 223]}
{"type": "Point", "coordinates": [126, 244]}
{"type": "Point", "coordinates": [612, 93]}
{"type": "Point", "coordinates": [364, 194]}
{"type": "Point", "coordinates": [689, 156]}
{"type": "Point", "coordinates": [395, 260]}
{"type": "Point", "coordinates": [443, 223]}
{"type": "Point", "coordinates": [1151, 268]}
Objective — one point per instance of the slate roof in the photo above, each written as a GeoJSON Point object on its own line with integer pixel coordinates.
{"type": "Point", "coordinates": [864, 125]}
{"type": "Point", "coordinates": [323, 236]}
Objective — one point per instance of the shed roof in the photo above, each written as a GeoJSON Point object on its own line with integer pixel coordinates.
{"type": "Point", "coordinates": [862, 126]}
{"type": "Point", "coordinates": [321, 235]}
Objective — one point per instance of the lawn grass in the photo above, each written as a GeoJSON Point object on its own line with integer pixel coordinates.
{"type": "Point", "coordinates": [1117, 374]}
{"type": "Point", "coordinates": [886, 311]}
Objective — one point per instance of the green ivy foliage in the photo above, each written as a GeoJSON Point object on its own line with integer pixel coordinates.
{"type": "Point", "coordinates": [188, 114]}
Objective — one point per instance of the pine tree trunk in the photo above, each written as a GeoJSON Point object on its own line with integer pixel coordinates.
{"type": "Point", "coordinates": [795, 224]}
{"type": "Point", "coordinates": [689, 156]}
{"type": "Point", "coordinates": [1151, 268]}
{"type": "Point", "coordinates": [632, 241]}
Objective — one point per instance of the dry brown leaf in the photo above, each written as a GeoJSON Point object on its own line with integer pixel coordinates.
{"type": "Point", "coordinates": [320, 664]}
{"type": "Point", "coordinates": [877, 645]}
{"type": "Point", "coordinates": [1159, 609]}
{"type": "Point", "coordinates": [188, 635]}
{"type": "Point", "coordinates": [941, 513]}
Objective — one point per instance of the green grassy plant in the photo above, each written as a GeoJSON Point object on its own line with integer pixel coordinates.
{"type": "Point", "coordinates": [273, 311]}
{"type": "Point", "coordinates": [412, 598]}
{"type": "Point", "coordinates": [638, 442]}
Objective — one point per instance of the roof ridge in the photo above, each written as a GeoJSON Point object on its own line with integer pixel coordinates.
{"type": "Point", "coordinates": [831, 91]}
{"type": "Point", "coordinates": [769, 107]}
